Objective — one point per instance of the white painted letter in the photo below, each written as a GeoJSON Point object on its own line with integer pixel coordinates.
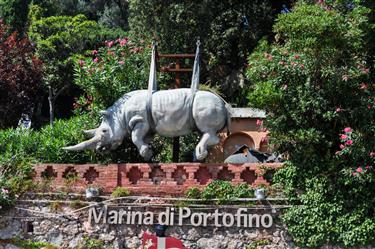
{"type": "Point", "coordinates": [263, 220]}
{"type": "Point", "coordinates": [183, 215]}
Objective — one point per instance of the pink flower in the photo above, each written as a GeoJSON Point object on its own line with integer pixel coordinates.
{"type": "Point", "coordinates": [296, 56]}
{"type": "Point", "coordinates": [345, 77]}
{"type": "Point", "coordinates": [123, 42]}
{"type": "Point", "coordinates": [343, 136]}
{"type": "Point", "coordinates": [347, 129]}
{"type": "Point", "coordinates": [368, 167]}
{"type": "Point", "coordinates": [121, 62]}
{"type": "Point", "coordinates": [349, 142]}
{"type": "Point", "coordinates": [81, 63]}
{"type": "Point", "coordinates": [372, 154]}
{"type": "Point", "coordinates": [282, 62]}
{"type": "Point", "coordinates": [369, 106]}
{"type": "Point", "coordinates": [302, 66]}
{"type": "Point", "coordinates": [259, 122]}
{"type": "Point", "coordinates": [284, 87]}
{"type": "Point", "coordinates": [5, 191]}
{"type": "Point", "coordinates": [354, 173]}
{"type": "Point", "coordinates": [359, 170]}
{"type": "Point", "coordinates": [96, 59]}
{"type": "Point", "coordinates": [366, 70]}
{"type": "Point", "coordinates": [135, 50]}
{"type": "Point", "coordinates": [109, 43]}
{"type": "Point", "coordinates": [338, 109]}
{"type": "Point", "coordinates": [363, 86]}
{"type": "Point", "coordinates": [342, 146]}
{"type": "Point", "coordinates": [94, 52]}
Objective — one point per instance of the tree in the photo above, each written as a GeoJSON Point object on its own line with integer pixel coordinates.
{"type": "Point", "coordinates": [229, 30]}
{"type": "Point", "coordinates": [14, 13]}
{"type": "Point", "coordinates": [317, 84]}
{"type": "Point", "coordinates": [57, 38]}
{"type": "Point", "coordinates": [20, 77]}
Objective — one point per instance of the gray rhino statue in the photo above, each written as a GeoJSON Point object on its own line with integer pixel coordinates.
{"type": "Point", "coordinates": [171, 113]}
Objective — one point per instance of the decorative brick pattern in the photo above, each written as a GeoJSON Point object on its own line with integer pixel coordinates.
{"type": "Point", "coordinates": [165, 179]}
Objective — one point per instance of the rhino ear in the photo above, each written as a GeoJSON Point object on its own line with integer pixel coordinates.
{"type": "Point", "coordinates": [104, 113]}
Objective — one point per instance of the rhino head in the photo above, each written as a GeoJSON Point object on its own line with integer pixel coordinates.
{"type": "Point", "coordinates": [103, 138]}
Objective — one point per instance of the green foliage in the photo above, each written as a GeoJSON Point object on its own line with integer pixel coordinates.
{"type": "Point", "coordinates": [228, 31]}
{"type": "Point", "coordinates": [316, 84]}
{"type": "Point", "coordinates": [225, 192]}
{"type": "Point", "coordinates": [255, 244]}
{"type": "Point", "coordinates": [113, 70]}
{"type": "Point", "coordinates": [57, 39]}
{"type": "Point", "coordinates": [14, 13]}
{"type": "Point", "coordinates": [120, 192]}
{"type": "Point", "coordinates": [89, 243]}
{"type": "Point", "coordinates": [29, 244]}
{"type": "Point", "coordinates": [193, 193]}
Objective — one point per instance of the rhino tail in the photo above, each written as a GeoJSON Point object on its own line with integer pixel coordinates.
{"type": "Point", "coordinates": [228, 107]}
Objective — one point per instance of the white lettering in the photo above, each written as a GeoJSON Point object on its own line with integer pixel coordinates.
{"type": "Point", "coordinates": [194, 217]}
{"type": "Point", "coordinates": [113, 217]}
{"type": "Point", "coordinates": [263, 220]}
{"type": "Point", "coordinates": [225, 219]}
{"type": "Point", "coordinates": [183, 213]}
{"type": "Point", "coordinates": [92, 213]}
{"type": "Point", "coordinates": [163, 218]}
{"type": "Point", "coordinates": [239, 215]}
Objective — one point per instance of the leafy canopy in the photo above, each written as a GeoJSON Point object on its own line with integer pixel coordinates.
{"type": "Point", "coordinates": [317, 84]}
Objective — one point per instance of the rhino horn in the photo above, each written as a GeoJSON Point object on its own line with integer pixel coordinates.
{"type": "Point", "coordinates": [89, 144]}
{"type": "Point", "coordinates": [90, 133]}
{"type": "Point", "coordinates": [104, 113]}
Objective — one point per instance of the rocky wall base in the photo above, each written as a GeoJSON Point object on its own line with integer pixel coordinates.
{"type": "Point", "coordinates": [69, 232]}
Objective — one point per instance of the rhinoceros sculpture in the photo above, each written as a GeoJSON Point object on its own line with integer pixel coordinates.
{"type": "Point", "coordinates": [171, 113]}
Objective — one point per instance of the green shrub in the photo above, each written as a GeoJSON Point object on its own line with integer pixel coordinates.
{"type": "Point", "coordinates": [316, 84]}
{"type": "Point", "coordinates": [89, 243]}
{"type": "Point", "coordinates": [243, 190]}
{"type": "Point", "coordinates": [29, 244]}
{"type": "Point", "coordinates": [120, 192]}
{"type": "Point", "coordinates": [225, 192]}
{"type": "Point", "coordinates": [193, 193]}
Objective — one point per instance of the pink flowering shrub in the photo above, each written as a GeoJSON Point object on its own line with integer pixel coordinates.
{"type": "Point", "coordinates": [353, 151]}
{"type": "Point", "coordinates": [317, 85]}
{"type": "Point", "coordinates": [105, 74]}
{"type": "Point", "coordinates": [6, 196]}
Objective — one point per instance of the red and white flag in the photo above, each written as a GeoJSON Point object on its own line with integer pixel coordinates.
{"type": "Point", "coordinates": [153, 242]}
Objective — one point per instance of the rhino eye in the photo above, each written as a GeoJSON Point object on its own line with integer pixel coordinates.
{"type": "Point", "coordinates": [104, 131]}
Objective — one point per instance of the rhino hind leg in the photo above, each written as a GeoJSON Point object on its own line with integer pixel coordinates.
{"type": "Point", "coordinates": [139, 133]}
{"type": "Point", "coordinates": [208, 139]}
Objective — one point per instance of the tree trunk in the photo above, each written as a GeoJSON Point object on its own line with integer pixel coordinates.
{"type": "Point", "coordinates": [51, 102]}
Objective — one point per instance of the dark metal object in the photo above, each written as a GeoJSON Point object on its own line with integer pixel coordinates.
{"type": "Point", "coordinates": [160, 230]}
{"type": "Point", "coordinates": [245, 154]}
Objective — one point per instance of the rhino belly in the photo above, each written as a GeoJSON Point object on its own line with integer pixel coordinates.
{"type": "Point", "coordinates": [171, 112]}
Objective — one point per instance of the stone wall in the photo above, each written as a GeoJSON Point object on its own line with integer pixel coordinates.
{"type": "Point", "coordinates": [67, 230]}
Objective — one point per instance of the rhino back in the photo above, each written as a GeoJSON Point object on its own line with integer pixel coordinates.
{"type": "Point", "coordinates": [171, 112]}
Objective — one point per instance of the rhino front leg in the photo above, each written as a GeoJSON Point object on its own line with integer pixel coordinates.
{"type": "Point", "coordinates": [139, 133]}
{"type": "Point", "coordinates": [208, 139]}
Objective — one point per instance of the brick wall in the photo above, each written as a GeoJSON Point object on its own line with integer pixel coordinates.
{"type": "Point", "coordinates": [156, 179]}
